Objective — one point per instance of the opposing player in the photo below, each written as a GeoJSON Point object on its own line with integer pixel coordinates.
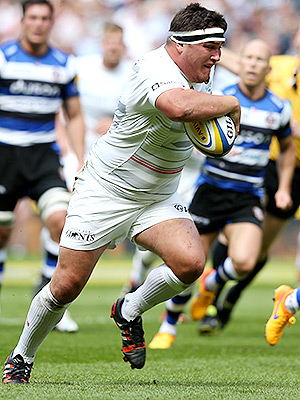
{"type": "Point", "coordinates": [36, 80]}
{"type": "Point", "coordinates": [283, 80]}
{"type": "Point", "coordinates": [231, 188]}
{"type": "Point", "coordinates": [128, 184]}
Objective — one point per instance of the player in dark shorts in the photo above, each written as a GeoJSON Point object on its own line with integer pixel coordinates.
{"type": "Point", "coordinates": [275, 220]}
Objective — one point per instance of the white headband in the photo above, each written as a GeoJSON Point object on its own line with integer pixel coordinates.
{"type": "Point", "coordinates": [199, 36]}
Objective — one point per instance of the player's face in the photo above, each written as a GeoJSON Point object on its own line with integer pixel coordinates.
{"type": "Point", "coordinates": [36, 24]}
{"type": "Point", "coordinates": [113, 48]}
{"type": "Point", "coordinates": [198, 59]}
{"type": "Point", "coordinates": [254, 64]}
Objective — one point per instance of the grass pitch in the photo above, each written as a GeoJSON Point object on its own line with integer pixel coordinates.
{"type": "Point", "coordinates": [236, 363]}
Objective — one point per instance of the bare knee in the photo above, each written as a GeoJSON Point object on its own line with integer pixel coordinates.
{"type": "Point", "coordinates": [72, 272]}
{"type": "Point", "coordinates": [188, 267]}
{"type": "Point", "coordinates": [65, 288]}
{"type": "Point", "coordinates": [244, 264]}
{"type": "Point", "coordinates": [66, 284]}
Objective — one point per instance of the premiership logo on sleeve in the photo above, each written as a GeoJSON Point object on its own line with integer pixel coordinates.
{"type": "Point", "coordinates": [180, 207]}
{"type": "Point", "coordinates": [159, 84]}
{"type": "Point", "coordinates": [80, 236]}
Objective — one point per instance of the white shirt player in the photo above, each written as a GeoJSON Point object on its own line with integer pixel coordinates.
{"type": "Point", "coordinates": [100, 90]}
{"type": "Point", "coordinates": [142, 155]}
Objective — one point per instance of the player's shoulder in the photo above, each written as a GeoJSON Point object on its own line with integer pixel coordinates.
{"type": "Point", "coordinates": [275, 100]}
{"type": "Point", "coordinates": [9, 49]}
{"type": "Point", "coordinates": [156, 59]}
{"type": "Point", "coordinates": [59, 57]}
{"type": "Point", "coordinates": [230, 90]}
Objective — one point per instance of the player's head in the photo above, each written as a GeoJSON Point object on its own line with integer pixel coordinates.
{"type": "Point", "coordinates": [36, 22]}
{"type": "Point", "coordinates": [196, 37]}
{"type": "Point", "coordinates": [113, 45]}
{"type": "Point", "coordinates": [254, 64]}
{"type": "Point", "coordinates": [28, 3]}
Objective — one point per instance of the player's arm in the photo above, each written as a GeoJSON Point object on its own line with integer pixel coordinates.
{"type": "Point", "coordinates": [285, 167]}
{"type": "Point", "coordinates": [230, 61]}
{"type": "Point", "coordinates": [295, 128]}
{"type": "Point", "coordinates": [75, 126]}
{"type": "Point", "coordinates": [182, 105]}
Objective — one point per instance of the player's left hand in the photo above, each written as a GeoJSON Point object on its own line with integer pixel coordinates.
{"type": "Point", "coordinates": [283, 199]}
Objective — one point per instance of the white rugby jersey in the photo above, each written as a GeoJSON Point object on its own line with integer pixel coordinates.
{"type": "Point", "coordinates": [142, 155]}
{"type": "Point", "coordinates": [32, 90]}
{"type": "Point", "coordinates": [100, 89]}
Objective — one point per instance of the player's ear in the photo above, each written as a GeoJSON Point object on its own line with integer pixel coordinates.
{"type": "Point", "coordinates": [179, 47]}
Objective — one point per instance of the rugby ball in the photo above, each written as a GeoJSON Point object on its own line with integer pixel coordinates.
{"type": "Point", "coordinates": [214, 137]}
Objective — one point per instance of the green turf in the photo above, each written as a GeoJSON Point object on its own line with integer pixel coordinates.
{"type": "Point", "coordinates": [236, 363]}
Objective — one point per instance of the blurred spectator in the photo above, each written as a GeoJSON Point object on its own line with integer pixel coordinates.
{"type": "Point", "coordinates": [10, 15]}
{"type": "Point", "coordinates": [271, 20]}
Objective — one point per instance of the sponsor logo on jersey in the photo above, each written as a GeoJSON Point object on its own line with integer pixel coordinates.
{"type": "Point", "coordinates": [81, 236]}
{"type": "Point", "coordinates": [249, 136]}
{"type": "Point", "coordinates": [34, 88]}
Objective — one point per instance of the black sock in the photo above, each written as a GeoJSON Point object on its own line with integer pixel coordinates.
{"type": "Point", "coordinates": [218, 256]}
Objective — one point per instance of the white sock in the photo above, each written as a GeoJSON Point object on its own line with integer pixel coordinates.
{"type": "Point", "coordinates": [44, 313]}
{"type": "Point", "coordinates": [174, 308]}
{"type": "Point", "coordinates": [292, 301]}
{"type": "Point", "coordinates": [160, 285]}
{"type": "Point", "coordinates": [168, 328]}
{"type": "Point", "coordinates": [223, 273]}
{"type": "Point", "coordinates": [141, 263]}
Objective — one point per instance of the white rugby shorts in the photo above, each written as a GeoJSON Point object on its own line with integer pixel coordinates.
{"type": "Point", "coordinates": [97, 217]}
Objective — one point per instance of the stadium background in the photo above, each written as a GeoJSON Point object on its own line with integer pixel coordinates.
{"type": "Point", "coordinates": [78, 27]}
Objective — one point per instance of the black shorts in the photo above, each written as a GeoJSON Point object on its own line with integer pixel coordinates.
{"type": "Point", "coordinates": [271, 186]}
{"type": "Point", "coordinates": [212, 208]}
{"type": "Point", "coordinates": [28, 171]}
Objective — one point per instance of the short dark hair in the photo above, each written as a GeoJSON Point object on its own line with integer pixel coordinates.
{"type": "Point", "coordinates": [27, 3]}
{"type": "Point", "coordinates": [194, 17]}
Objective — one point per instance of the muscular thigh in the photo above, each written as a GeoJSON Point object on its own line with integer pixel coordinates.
{"type": "Point", "coordinates": [244, 241]}
{"type": "Point", "coordinates": [178, 243]}
{"type": "Point", "coordinates": [171, 239]}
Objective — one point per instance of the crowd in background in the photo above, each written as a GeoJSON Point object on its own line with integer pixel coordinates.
{"type": "Point", "coordinates": [78, 23]}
